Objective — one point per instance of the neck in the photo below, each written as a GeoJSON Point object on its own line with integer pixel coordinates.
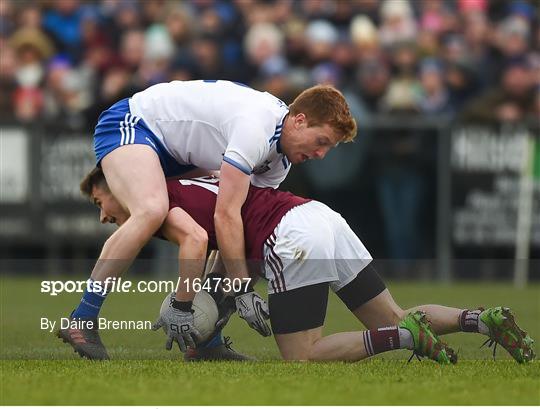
{"type": "Point", "coordinates": [288, 128]}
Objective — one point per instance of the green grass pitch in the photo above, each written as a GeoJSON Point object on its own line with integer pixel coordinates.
{"type": "Point", "coordinates": [37, 369]}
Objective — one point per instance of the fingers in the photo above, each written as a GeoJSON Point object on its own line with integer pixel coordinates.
{"type": "Point", "coordinates": [265, 312]}
{"type": "Point", "coordinates": [257, 328]}
{"type": "Point", "coordinates": [168, 344]}
{"type": "Point", "coordinates": [157, 325]}
{"type": "Point", "coordinates": [190, 341]}
{"type": "Point", "coordinates": [195, 334]}
{"type": "Point", "coordinates": [267, 330]}
{"type": "Point", "coordinates": [181, 343]}
{"type": "Point", "coordinates": [261, 327]}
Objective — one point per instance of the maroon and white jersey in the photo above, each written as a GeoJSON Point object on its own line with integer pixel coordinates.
{"type": "Point", "coordinates": [261, 213]}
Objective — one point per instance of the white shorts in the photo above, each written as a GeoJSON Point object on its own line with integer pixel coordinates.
{"type": "Point", "coordinates": [312, 244]}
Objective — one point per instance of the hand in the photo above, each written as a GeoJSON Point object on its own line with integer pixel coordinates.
{"type": "Point", "coordinates": [179, 327]}
{"type": "Point", "coordinates": [253, 309]}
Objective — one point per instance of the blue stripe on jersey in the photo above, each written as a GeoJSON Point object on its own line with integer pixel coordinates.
{"type": "Point", "coordinates": [277, 134]}
{"type": "Point", "coordinates": [285, 162]}
{"type": "Point", "coordinates": [237, 165]}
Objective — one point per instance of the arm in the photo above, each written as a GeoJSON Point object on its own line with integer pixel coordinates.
{"type": "Point", "coordinates": [177, 319]}
{"type": "Point", "coordinates": [233, 190]}
{"type": "Point", "coordinates": [180, 228]}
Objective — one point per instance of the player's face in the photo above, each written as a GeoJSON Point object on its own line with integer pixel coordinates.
{"type": "Point", "coordinates": [110, 209]}
{"type": "Point", "coordinates": [302, 142]}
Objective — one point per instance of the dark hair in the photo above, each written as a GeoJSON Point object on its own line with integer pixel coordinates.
{"type": "Point", "coordinates": [94, 178]}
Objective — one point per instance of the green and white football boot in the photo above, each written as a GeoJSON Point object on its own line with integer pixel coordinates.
{"type": "Point", "coordinates": [426, 342]}
{"type": "Point", "coordinates": [504, 331]}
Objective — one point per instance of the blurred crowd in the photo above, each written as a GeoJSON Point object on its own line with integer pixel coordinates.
{"type": "Point", "coordinates": [474, 59]}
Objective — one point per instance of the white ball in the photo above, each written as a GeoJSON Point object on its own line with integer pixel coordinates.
{"type": "Point", "coordinates": [205, 312]}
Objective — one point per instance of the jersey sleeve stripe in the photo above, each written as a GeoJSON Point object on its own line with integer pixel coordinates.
{"type": "Point", "coordinates": [237, 165]}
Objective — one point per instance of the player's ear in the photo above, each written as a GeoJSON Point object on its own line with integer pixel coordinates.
{"type": "Point", "coordinates": [300, 120]}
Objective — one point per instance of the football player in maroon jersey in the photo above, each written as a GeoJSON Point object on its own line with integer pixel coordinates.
{"type": "Point", "coordinates": [304, 248]}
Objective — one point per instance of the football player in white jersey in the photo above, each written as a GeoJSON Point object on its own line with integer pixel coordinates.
{"type": "Point", "coordinates": [174, 128]}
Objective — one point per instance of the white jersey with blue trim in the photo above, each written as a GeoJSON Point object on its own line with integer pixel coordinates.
{"type": "Point", "coordinates": [203, 123]}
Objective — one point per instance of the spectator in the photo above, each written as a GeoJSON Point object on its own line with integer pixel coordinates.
{"type": "Point", "coordinates": [434, 96]}
{"type": "Point", "coordinates": [365, 38]}
{"type": "Point", "coordinates": [123, 16]}
{"type": "Point", "coordinates": [373, 78]}
{"type": "Point", "coordinates": [132, 49]}
{"type": "Point", "coordinates": [403, 91]}
{"type": "Point", "coordinates": [67, 95]}
{"type": "Point", "coordinates": [434, 16]}
{"type": "Point", "coordinates": [480, 50]}
{"type": "Point", "coordinates": [158, 52]}
{"type": "Point", "coordinates": [178, 23]}
{"type": "Point", "coordinates": [8, 83]}
{"type": "Point", "coordinates": [512, 101]}
{"type": "Point", "coordinates": [513, 36]}
{"type": "Point", "coordinates": [64, 23]}
{"type": "Point", "coordinates": [7, 23]}
{"type": "Point", "coordinates": [462, 83]}
{"type": "Point", "coordinates": [32, 48]}
{"type": "Point", "coordinates": [321, 37]}
{"type": "Point", "coordinates": [263, 43]}
{"type": "Point", "coordinates": [398, 24]}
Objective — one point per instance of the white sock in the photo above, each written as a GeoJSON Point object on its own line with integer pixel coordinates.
{"type": "Point", "coordinates": [405, 338]}
{"type": "Point", "coordinates": [482, 328]}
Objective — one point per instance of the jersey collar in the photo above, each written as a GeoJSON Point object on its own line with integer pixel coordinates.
{"type": "Point", "coordinates": [276, 138]}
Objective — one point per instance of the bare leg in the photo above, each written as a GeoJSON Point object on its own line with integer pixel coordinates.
{"type": "Point", "coordinates": [444, 320]}
{"type": "Point", "coordinates": [382, 310]}
{"type": "Point", "coordinates": [310, 345]}
{"type": "Point", "coordinates": [136, 179]}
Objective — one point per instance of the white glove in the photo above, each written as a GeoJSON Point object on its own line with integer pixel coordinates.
{"type": "Point", "coordinates": [253, 309]}
{"type": "Point", "coordinates": [178, 326]}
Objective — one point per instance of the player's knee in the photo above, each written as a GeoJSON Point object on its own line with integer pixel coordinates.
{"type": "Point", "coordinates": [303, 350]}
{"type": "Point", "coordinates": [313, 355]}
{"type": "Point", "coordinates": [295, 349]}
{"type": "Point", "coordinates": [304, 355]}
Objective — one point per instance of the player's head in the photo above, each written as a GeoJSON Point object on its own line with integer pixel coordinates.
{"type": "Point", "coordinates": [94, 186]}
{"type": "Point", "coordinates": [319, 118]}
